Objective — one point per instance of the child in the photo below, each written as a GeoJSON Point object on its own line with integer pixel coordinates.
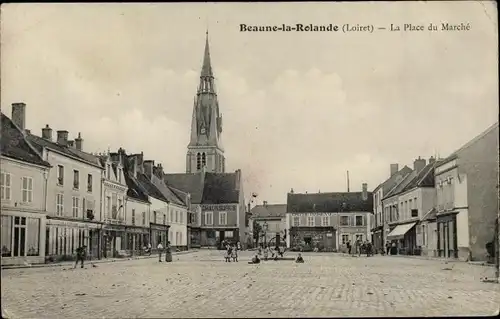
{"type": "Point", "coordinates": [228, 254]}
{"type": "Point", "coordinates": [299, 259]}
{"type": "Point", "coordinates": [255, 260]}
{"type": "Point", "coordinates": [234, 254]}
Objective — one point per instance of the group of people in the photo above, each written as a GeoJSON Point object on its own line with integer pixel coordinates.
{"type": "Point", "coordinates": [231, 253]}
{"type": "Point", "coordinates": [278, 251]}
{"type": "Point", "coordinates": [168, 252]}
{"type": "Point", "coordinates": [360, 247]}
{"type": "Point", "coordinates": [256, 259]}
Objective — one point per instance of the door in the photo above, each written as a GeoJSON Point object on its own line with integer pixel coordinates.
{"type": "Point", "coordinates": [221, 237]}
{"type": "Point", "coordinates": [446, 243]}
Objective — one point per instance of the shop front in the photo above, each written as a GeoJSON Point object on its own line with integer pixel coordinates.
{"type": "Point", "coordinates": [403, 239]}
{"type": "Point", "coordinates": [158, 233]}
{"type": "Point", "coordinates": [378, 239]}
{"type": "Point", "coordinates": [136, 239]}
{"type": "Point", "coordinates": [63, 237]}
{"type": "Point", "coordinates": [23, 235]}
{"type": "Point", "coordinates": [113, 240]}
{"type": "Point", "coordinates": [309, 238]}
{"type": "Point", "coordinates": [447, 235]}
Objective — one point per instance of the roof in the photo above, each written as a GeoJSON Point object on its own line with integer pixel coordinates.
{"type": "Point", "coordinates": [395, 179]}
{"type": "Point", "coordinates": [424, 178]}
{"type": "Point", "coordinates": [430, 215]}
{"type": "Point", "coordinates": [330, 202]}
{"type": "Point", "coordinates": [134, 190]}
{"type": "Point", "coordinates": [266, 210]}
{"type": "Point", "coordinates": [398, 188]}
{"type": "Point", "coordinates": [210, 188]}
{"type": "Point", "coordinates": [149, 188]}
{"type": "Point", "coordinates": [167, 192]}
{"type": "Point", "coordinates": [13, 144]}
{"type": "Point", "coordinates": [220, 188]}
{"type": "Point", "coordinates": [188, 182]}
{"type": "Point", "coordinates": [39, 143]}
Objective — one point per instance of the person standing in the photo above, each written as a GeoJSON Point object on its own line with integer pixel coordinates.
{"type": "Point", "coordinates": [349, 247]}
{"type": "Point", "coordinates": [80, 255]}
{"type": "Point", "coordinates": [160, 249]}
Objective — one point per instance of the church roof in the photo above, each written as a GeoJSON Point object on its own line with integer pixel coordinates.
{"type": "Point", "coordinates": [212, 188]}
{"type": "Point", "coordinates": [13, 144]}
{"type": "Point", "coordinates": [269, 210]}
{"type": "Point", "coordinates": [206, 69]}
{"type": "Point", "coordinates": [329, 202]}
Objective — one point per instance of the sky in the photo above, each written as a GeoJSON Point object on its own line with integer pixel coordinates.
{"type": "Point", "coordinates": [299, 109]}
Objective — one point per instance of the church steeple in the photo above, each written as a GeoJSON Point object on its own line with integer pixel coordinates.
{"type": "Point", "coordinates": [205, 146]}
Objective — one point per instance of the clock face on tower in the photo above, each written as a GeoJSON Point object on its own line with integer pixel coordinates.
{"type": "Point", "coordinates": [202, 130]}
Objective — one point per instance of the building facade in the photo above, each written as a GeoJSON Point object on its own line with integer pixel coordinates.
{"type": "Point", "coordinates": [23, 183]}
{"type": "Point", "coordinates": [272, 221]}
{"type": "Point", "coordinates": [328, 221]}
{"type": "Point", "coordinates": [467, 198]}
{"type": "Point", "coordinates": [413, 198]}
{"type": "Point", "coordinates": [395, 177]}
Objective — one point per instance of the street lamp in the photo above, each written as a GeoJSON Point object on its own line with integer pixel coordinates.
{"type": "Point", "coordinates": [265, 227]}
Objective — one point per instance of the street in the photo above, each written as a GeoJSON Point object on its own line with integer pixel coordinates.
{"type": "Point", "coordinates": [200, 284]}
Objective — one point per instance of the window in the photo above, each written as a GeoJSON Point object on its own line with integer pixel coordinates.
{"type": "Point", "coordinates": [424, 235]}
{"type": "Point", "coordinates": [108, 206]}
{"type": "Point", "coordinates": [198, 161]}
{"type": "Point", "coordinates": [171, 215]}
{"type": "Point", "coordinates": [228, 234]}
{"type": "Point", "coordinates": [414, 213]}
{"type": "Point", "coordinates": [345, 239]}
{"type": "Point", "coordinates": [75, 206]}
{"type": "Point", "coordinates": [133, 216]}
{"type": "Point", "coordinates": [89, 183]}
{"type": "Point", "coordinates": [222, 218]}
{"type": "Point", "coordinates": [76, 179]}
{"type": "Point", "coordinates": [5, 183]}
{"type": "Point", "coordinates": [310, 221]}
{"type": "Point", "coordinates": [344, 220]}
{"type": "Point", "coordinates": [108, 171]}
{"type": "Point", "coordinates": [120, 205]}
{"type": "Point", "coordinates": [33, 236]}
{"type": "Point", "coordinates": [410, 204]}
{"type": "Point", "coordinates": [359, 237]}
{"type": "Point", "coordinates": [181, 217]}
{"type": "Point", "coordinates": [154, 217]}
{"type": "Point", "coordinates": [359, 220]}
{"type": "Point", "coordinates": [143, 218]}
{"type": "Point", "coordinates": [60, 204]}
{"type": "Point", "coordinates": [19, 236]}
{"type": "Point", "coordinates": [27, 189]}
{"type": "Point", "coordinates": [60, 175]}
{"type": "Point", "coordinates": [325, 220]}
{"type": "Point", "coordinates": [203, 159]}
{"type": "Point", "coordinates": [164, 219]}
{"type": "Point", "coordinates": [209, 218]}
{"type": "Point", "coordinates": [84, 206]}
{"type": "Point", "coordinates": [296, 221]}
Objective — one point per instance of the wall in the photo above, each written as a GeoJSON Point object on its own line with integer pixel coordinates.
{"type": "Point", "coordinates": [232, 215]}
{"type": "Point", "coordinates": [92, 198]}
{"type": "Point", "coordinates": [480, 162]}
{"type": "Point", "coordinates": [17, 171]}
{"type": "Point", "coordinates": [178, 225]}
{"type": "Point", "coordinates": [139, 207]}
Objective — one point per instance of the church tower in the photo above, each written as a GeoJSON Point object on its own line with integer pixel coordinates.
{"type": "Point", "coordinates": [205, 151]}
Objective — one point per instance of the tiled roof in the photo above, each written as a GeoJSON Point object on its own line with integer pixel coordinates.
{"type": "Point", "coordinates": [13, 144]}
{"type": "Point", "coordinates": [329, 202]}
{"type": "Point", "coordinates": [269, 210]}
{"type": "Point", "coordinates": [189, 183]}
{"type": "Point", "coordinates": [166, 192]}
{"type": "Point", "coordinates": [215, 188]}
{"type": "Point", "coordinates": [424, 178]}
{"type": "Point", "coordinates": [39, 143]}
{"type": "Point", "coordinates": [395, 179]}
{"type": "Point", "coordinates": [151, 190]}
{"type": "Point", "coordinates": [402, 184]}
{"type": "Point", "coordinates": [220, 188]}
{"type": "Point", "coordinates": [134, 190]}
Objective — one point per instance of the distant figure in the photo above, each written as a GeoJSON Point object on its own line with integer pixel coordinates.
{"type": "Point", "coordinates": [255, 260]}
{"type": "Point", "coordinates": [80, 255]}
{"type": "Point", "coordinates": [388, 248]}
{"type": "Point", "coordinates": [160, 249]}
{"type": "Point", "coordinates": [281, 251]}
{"type": "Point", "coordinates": [168, 253]}
{"type": "Point", "coordinates": [234, 253]}
{"type": "Point", "coordinates": [348, 247]}
{"type": "Point", "coordinates": [228, 254]}
{"type": "Point", "coordinates": [369, 248]}
{"type": "Point", "coordinates": [299, 259]}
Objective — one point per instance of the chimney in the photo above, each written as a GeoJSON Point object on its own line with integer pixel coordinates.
{"type": "Point", "coordinates": [47, 132]}
{"type": "Point", "coordinates": [132, 160]}
{"type": "Point", "coordinates": [71, 144]}
{"type": "Point", "coordinates": [394, 169]}
{"type": "Point", "coordinates": [291, 191]}
{"type": "Point", "coordinates": [79, 142]}
{"type": "Point", "coordinates": [19, 115]}
{"type": "Point", "coordinates": [265, 203]}
{"type": "Point", "coordinates": [419, 164]}
{"type": "Point", "coordinates": [62, 137]}
{"type": "Point", "coordinates": [27, 131]}
{"type": "Point", "coordinates": [432, 160]}
{"type": "Point", "coordinates": [148, 167]}
{"type": "Point", "coordinates": [364, 193]}
{"type": "Point", "coordinates": [139, 162]}
{"type": "Point", "coordinates": [238, 179]}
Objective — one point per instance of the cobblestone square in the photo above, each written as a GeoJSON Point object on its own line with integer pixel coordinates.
{"type": "Point", "coordinates": [202, 285]}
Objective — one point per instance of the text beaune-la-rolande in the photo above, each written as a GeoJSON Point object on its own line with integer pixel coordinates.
{"type": "Point", "coordinates": [298, 27]}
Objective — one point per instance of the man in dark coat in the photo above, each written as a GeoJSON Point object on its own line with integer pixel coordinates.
{"type": "Point", "coordinates": [80, 255]}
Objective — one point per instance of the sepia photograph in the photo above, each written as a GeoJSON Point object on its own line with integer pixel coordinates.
{"type": "Point", "coordinates": [249, 160]}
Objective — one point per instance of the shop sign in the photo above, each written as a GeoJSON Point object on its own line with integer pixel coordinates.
{"type": "Point", "coordinates": [69, 224]}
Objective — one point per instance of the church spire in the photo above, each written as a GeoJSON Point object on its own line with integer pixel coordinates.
{"type": "Point", "coordinates": [206, 70]}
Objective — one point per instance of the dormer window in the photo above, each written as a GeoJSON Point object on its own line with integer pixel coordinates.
{"type": "Point", "coordinates": [108, 171]}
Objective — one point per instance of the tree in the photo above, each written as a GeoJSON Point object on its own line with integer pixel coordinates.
{"type": "Point", "coordinates": [257, 229]}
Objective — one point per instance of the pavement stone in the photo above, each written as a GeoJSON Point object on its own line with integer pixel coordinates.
{"type": "Point", "coordinates": [202, 285]}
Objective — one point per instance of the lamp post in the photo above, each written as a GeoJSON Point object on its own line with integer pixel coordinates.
{"type": "Point", "coordinates": [264, 228]}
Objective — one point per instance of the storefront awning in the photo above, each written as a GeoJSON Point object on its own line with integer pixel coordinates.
{"type": "Point", "coordinates": [400, 231]}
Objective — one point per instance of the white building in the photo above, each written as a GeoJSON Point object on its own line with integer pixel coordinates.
{"type": "Point", "coordinates": [23, 182]}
